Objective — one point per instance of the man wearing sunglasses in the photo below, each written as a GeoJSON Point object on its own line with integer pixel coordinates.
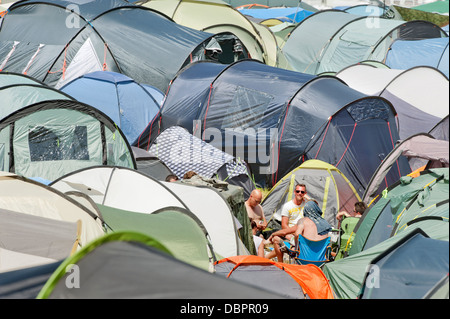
{"type": "Point", "coordinates": [292, 211]}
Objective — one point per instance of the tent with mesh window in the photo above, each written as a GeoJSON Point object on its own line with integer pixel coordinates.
{"type": "Point", "coordinates": [80, 37]}
{"type": "Point", "coordinates": [331, 40]}
{"type": "Point", "coordinates": [275, 119]}
{"type": "Point", "coordinates": [52, 138]}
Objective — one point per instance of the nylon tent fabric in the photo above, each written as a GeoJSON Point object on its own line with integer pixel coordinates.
{"type": "Point", "coordinates": [409, 14]}
{"type": "Point", "coordinates": [294, 281]}
{"type": "Point", "coordinates": [101, 35]}
{"type": "Point", "coordinates": [25, 196]}
{"type": "Point", "coordinates": [421, 150]}
{"type": "Point", "coordinates": [347, 276]}
{"type": "Point", "coordinates": [324, 183]}
{"type": "Point", "coordinates": [181, 152]}
{"type": "Point", "coordinates": [369, 39]}
{"type": "Point", "coordinates": [348, 39]}
{"type": "Point", "coordinates": [441, 130]}
{"type": "Point", "coordinates": [270, 103]}
{"type": "Point", "coordinates": [152, 273]}
{"type": "Point", "coordinates": [177, 229]}
{"type": "Point", "coordinates": [292, 14]}
{"type": "Point", "coordinates": [27, 240]}
{"type": "Point", "coordinates": [409, 270]}
{"type": "Point", "coordinates": [25, 283]}
{"type": "Point", "coordinates": [51, 138]}
{"type": "Point", "coordinates": [217, 17]}
{"type": "Point", "coordinates": [149, 164]}
{"type": "Point", "coordinates": [131, 190]}
{"type": "Point", "coordinates": [129, 104]}
{"type": "Point", "coordinates": [18, 91]}
{"type": "Point", "coordinates": [406, 54]}
{"type": "Point", "coordinates": [410, 203]}
{"type": "Point", "coordinates": [419, 95]}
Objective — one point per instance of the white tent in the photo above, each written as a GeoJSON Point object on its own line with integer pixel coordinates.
{"type": "Point", "coordinates": [22, 195]}
{"type": "Point", "coordinates": [419, 95]}
{"type": "Point", "coordinates": [131, 190]}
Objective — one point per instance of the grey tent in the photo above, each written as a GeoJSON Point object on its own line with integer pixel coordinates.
{"type": "Point", "coordinates": [79, 37]}
{"type": "Point", "coordinates": [420, 149]}
{"type": "Point", "coordinates": [149, 164]}
{"type": "Point", "coordinates": [138, 266]}
{"type": "Point", "coordinates": [25, 283]}
{"type": "Point", "coordinates": [441, 129]}
{"type": "Point", "coordinates": [27, 240]}
{"type": "Point", "coordinates": [408, 269]}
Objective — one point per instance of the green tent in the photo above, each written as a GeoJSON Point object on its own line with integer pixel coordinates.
{"type": "Point", "coordinates": [347, 276]}
{"type": "Point", "coordinates": [411, 202]}
{"type": "Point", "coordinates": [176, 228]}
{"type": "Point", "coordinates": [135, 266]}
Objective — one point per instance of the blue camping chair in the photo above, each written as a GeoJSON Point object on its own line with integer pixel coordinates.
{"type": "Point", "coordinates": [310, 251]}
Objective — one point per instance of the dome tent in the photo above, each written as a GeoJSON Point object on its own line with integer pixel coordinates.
{"type": "Point", "coordinates": [129, 104]}
{"type": "Point", "coordinates": [324, 183]}
{"type": "Point", "coordinates": [340, 126]}
{"type": "Point", "coordinates": [79, 37]}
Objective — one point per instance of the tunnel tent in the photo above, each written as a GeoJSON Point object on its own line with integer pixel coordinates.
{"type": "Point", "coordinates": [131, 190]}
{"type": "Point", "coordinates": [348, 39]}
{"type": "Point", "coordinates": [324, 183]}
{"type": "Point", "coordinates": [216, 16]}
{"type": "Point", "coordinates": [410, 203]}
{"type": "Point", "coordinates": [129, 104]}
{"type": "Point", "coordinates": [18, 91]}
{"type": "Point", "coordinates": [421, 150]}
{"type": "Point", "coordinates": [176, 228]}
{"type": "Point", "coordinates": [102, 35]}
{"type": "Point", "coordinates": [441, 130]}
{"type": "Point", "coordinates": [339, 123]}
{"type": "Point", "coordinates": [147, 270]}
{"type": "Point", "coordinates": [419, 95]}
{"type": "Point", "coordinates": [405, 54]}
{"type": "Point", "coordinates": [52, 138]}
{"type": "Point", "coordinates": [19, 194]}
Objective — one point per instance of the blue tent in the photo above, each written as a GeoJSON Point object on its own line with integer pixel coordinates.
{"type": "Point", "coordinates": [129, 104]}
{"type": "Point", "coordinates": [405, 54]}
{"type": "Point", "coordinates": [292, 14]}
{"type": "Point", "coordinates": [275, 119]}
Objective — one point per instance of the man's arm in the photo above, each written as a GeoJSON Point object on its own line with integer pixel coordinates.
{"type": "Point", "coordinates": [283, 232]}
{"type": "Point", "coordinates": [284, 222]}
{"type": "Point", "coordinates": [298, 231]}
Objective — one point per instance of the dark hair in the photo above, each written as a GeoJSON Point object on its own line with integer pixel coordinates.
{"type": "Point", "coordinates": [301, 185]}
{"type": "Point", "coordinates": [360, 207]}
{"type": "Point", "coordinates": [171, 177]}
{"type": "Point", "coordinates": [189, 174]}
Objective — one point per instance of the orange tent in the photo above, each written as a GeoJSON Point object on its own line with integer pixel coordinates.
{"type": "Point", "coordinates": [310, 278]}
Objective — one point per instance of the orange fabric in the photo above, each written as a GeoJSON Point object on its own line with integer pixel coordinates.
{"type": "Point", "coordinates": [417, 171]}
{"type": "Point", "coordinates": [309, 277]}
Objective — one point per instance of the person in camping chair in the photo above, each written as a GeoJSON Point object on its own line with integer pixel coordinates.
{"type": "Point", "coordinates": [358, 211]}
{"type": "Point", "coordinates": [312, 226]}
{"type": "Point", "coordinates": [292, 211]}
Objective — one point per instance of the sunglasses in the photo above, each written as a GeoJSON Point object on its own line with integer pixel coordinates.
{"type": "Point", "coordinates": [303, 192]}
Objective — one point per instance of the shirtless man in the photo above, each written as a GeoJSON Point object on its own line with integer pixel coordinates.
{"type": "Point", "coordinates": [255, 211]}
{"type": "Point", "coordinates": [311, 226]}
